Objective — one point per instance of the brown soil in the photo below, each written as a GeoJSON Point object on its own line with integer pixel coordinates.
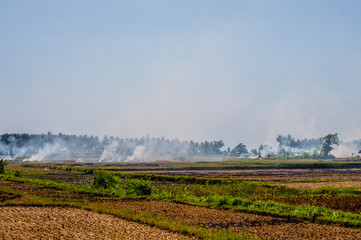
{"type": "Point", "coordinates": [52, 194]}
{"type": "Point", "coordinates": [344, 203]}
{"type": "Point", "coordinates": [61, 223]}
{"type": "Point", "coordinates": [302, 231]}
{"type": "Point", "coordinates": [313, 185]}
{"type": "Point", "coordinates": [68, 178]}
{"type": "Point", "coordinates": [269, 174]}
{"type": "Point", "coordinates": [264, 227]}
{"type": "Point", "coordinates": [4, 196]}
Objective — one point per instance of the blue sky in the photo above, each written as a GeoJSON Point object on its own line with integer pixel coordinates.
{"type": "Point", "coordinates": [240, 71]}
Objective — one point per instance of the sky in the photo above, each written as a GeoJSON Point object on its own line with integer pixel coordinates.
{"type": "Point", "coordinates": [237, 71]}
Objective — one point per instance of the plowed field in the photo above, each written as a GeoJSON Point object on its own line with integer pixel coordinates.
{"type": "Point", "coordinates": [313, 185]}
{"type": "Point", "coordinates": [264, 227]}
{"type": "Point", "coordinates": [62, 223]}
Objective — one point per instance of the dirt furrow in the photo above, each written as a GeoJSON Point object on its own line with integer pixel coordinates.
{"type": "Point", "coordinates": [63, 223]}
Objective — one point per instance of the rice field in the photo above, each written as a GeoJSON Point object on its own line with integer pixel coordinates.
{"type": "Point", "coordinates": [67, 223]}
{"type": "Point", "coordinates": [61, 202]}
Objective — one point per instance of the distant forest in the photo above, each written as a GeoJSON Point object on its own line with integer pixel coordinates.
{"type": "Point", "coordinates": [37, 147]}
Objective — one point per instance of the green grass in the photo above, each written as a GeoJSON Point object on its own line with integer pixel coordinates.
{"type": "Point", "coordinates": [233, 164]}
{"type": "Point", "coordinates": [220, 193]}
{"type": "Point", "coordinates": [302, 213]}
{"type": "Point", "coordinates": [231, 196]}
{"type": "Point", "coordinates": [157, 221]}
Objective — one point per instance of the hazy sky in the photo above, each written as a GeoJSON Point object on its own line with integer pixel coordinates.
{"type": "Point", "coordinates": [238, 71]}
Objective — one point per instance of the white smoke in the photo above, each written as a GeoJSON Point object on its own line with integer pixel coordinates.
{"type": "Point", "coordinates": [266, 150]}
{"type": "Point", "coordinates": [110, 153]}
{"type": "Point", "coordinates": [51, 151]}
{"type": "Point", "coordinates": [139, 154]}
{"type": "Point", "coordinates": [346, 149]}
{"type": "Point", "coordinates": [143, 150]}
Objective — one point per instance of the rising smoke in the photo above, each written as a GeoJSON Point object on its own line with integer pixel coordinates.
{"type": "Point", "coordinates": [83, 148]}
{"type": "Point", "coordinates": [347, 149]}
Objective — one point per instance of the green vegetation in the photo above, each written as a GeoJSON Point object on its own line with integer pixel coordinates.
{"type": "Point", "coordinates": [138, 187]}
{"type": "Point", "coordinates": [324, 205]}
{"type": "Point", "coordinates": [243, 196]}
{"type": "Point", "coordinates": [3, 163]}
{"type": "Point", "coordinates": [329, 140]}
{"type": "Point", "coordinates": [105, 180]}
{"type": "Point", "coordinates": [17, 173]}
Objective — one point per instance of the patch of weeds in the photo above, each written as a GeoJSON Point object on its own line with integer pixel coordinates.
{"type": "Point", "coordinates": [138, 187]}
{"type": "Point", "coordinates": [105, 180]}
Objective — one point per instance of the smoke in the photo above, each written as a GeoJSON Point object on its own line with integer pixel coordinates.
{"type": "Point", "coordinates": [143, 150]}
{"type": "Point", "coordinates": [139, 153]}
{"type": "Point", "coordinates": [347, 149]}
{"type": "Point", "coordinates": [53, 151]}
{"type": "Point", "coordinates": [266, 150]}
{"type": "Point", "coordinates": [110, 153]}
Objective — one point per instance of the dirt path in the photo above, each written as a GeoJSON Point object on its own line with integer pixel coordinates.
{"type": "Point", "coordinates": [62, 223]}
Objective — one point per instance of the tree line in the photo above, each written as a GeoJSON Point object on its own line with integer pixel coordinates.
{"type": "Point", "coordinates": [25, 145]}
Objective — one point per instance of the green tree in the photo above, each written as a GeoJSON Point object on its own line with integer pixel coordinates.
{"type": "Point", "coordinates": [239, 150]}
{"type": "Point", "coordinates": [285, 153]}
{"type": "Point", "coordinates": [254, 151]}
{"type": "Point", "coordinates": [3, 163]}
{"type": "Point", "coordinates": [328, 141]}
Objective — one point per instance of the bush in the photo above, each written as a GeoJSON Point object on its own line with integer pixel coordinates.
{"type": "Point", "coordinates": [17, 173]}
{"type": "Point", "coordinates": [105, 180]}
{"type": "Point", "coordinates": [3, 163]}
{"type": "Point", "coordinates": [138, 187]}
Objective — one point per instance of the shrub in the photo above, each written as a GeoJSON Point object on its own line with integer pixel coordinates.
{"type": "Point", "coordinates": [105, 180]}
{"type": "Point", "coordinates": [138, 187]}
{"type": "Point", "coordinates": [17, 173]}
{"type": "Point", "coordinates": [68, 168]}
{"type": "Point", "coordinates": [3, 163]}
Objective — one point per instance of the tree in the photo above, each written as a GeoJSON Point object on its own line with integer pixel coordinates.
{"type": "Point", "coordinates": [239, 150]}
{"type": "Point", "coordinates": [328, 141]}
{"type": "Point", "coordinates": [3, 163]}
{"type": "Point", "coordinates": [285, 153]}
{"type": "Point", "coordinates": [260, 151]}
{"type": "Point", "coordinates": [254, 151]}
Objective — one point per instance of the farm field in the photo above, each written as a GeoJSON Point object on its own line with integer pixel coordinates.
{"type": "Point", "coordinates": [67, 223]}
{"type": "Point", "coordinates": [301, 202]}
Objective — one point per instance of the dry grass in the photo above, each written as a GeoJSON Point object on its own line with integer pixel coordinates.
{"type": "Point", "coordinates": [313, 185]}
{"type": "Point", "coordinates": [269, 174]}
{"type": "Point", "coordinates": [263, 227]}
{"type": "Point", "coordinates": [62, 223]}
{"type": "Point", "coordinates": [301, 231]}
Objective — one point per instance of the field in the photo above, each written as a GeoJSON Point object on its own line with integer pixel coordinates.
{"type": "Point", "coordinates": [236, 199]}
{"type": "Point", "coordinates": [66, 223]}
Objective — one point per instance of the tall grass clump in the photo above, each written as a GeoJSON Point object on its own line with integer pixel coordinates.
{"type": "Point", "coordinates": [105, 180]}
{"type": "Point", "coordinates": [138, 187]}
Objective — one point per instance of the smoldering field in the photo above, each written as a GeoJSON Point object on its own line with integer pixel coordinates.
{"type": "Point", "coordinates": [84, 148]}
{"type": "Point", "coordinates": [49, 147]}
